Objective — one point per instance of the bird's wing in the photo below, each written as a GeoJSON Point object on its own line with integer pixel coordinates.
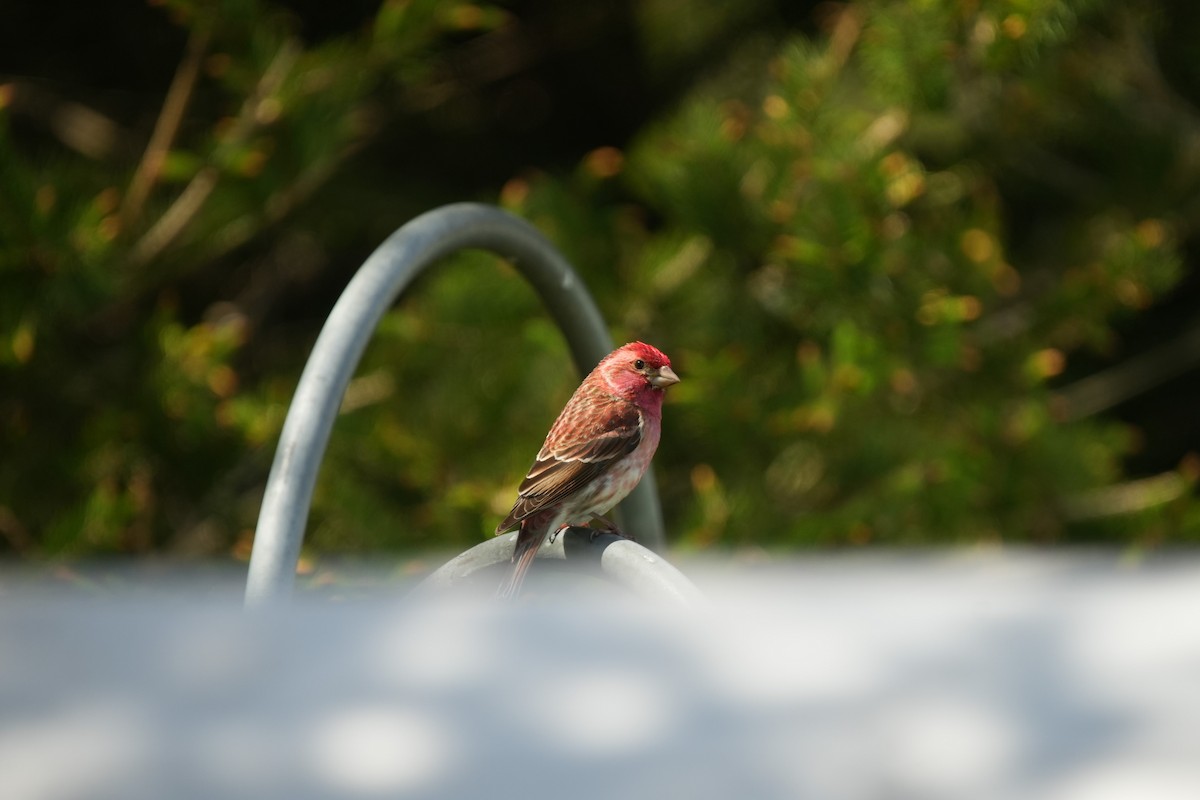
{"type": "Point", "coordinates": [575, 453]}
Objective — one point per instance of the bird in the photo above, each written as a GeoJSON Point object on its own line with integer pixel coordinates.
{"type": "Point", "coordinates": [594, 455]}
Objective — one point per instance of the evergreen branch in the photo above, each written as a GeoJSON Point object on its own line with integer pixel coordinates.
{"type": "Point", "coordinates": [80, 127]}
{"type": "Point", "coordinates": [1139, 374]}
{"type": "Point", "coordinates": [281, 203]}
{"type": "Point", "coordinates": [167, 126]}
{"type": "Point", "coordinates": [185, 208]}
{"type": "Point", "coordinates": [1126, 498]}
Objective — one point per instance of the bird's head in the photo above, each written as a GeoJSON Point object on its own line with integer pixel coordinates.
{"type": "Point", "coordinates": [636, 370]}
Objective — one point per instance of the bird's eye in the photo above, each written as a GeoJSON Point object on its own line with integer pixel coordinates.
{"type": "Point", "coordinates": [639, 364]}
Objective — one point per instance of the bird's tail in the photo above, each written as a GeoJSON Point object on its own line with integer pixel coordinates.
{"type": "Point", "coordinates": [529, 541]}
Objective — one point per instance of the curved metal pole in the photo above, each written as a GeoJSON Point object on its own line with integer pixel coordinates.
{"type": "Point", "coordinates": [382, 277]}
{"type": "Point", "coordinates": [624, 562]}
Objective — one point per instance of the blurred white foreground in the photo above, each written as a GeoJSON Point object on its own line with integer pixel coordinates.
{"type": "Point", "coordinates": [936, 676]}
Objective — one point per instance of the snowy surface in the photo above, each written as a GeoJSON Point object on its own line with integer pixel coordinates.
{"type": "Point", "coordinates": [930, 676]}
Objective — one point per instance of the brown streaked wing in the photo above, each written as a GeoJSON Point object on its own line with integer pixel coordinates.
{"type": "Point", "coordinates": [573, 463]}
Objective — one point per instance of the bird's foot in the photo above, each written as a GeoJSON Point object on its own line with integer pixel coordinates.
{"type": "Point", "coordinates": [554, 534]}
{"type": "Point", "coordinates": [606, 526]}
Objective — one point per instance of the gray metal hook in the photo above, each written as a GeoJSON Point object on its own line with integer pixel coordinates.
{"type": "Point", "coordinates": [623, 562]}
{"type": "Point", "coordinates": [382, 277]}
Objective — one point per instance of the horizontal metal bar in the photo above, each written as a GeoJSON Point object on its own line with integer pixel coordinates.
{"type": "Point", "coordinates": [622, 561]}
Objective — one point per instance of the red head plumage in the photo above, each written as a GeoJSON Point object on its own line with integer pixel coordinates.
{"type": "Point", "coordinates": [636, 371]}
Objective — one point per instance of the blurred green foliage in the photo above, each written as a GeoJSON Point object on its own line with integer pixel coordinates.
{"type": "Point", "coordinates": [870, 250]}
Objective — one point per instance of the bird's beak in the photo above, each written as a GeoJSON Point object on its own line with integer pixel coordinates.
{"type": "Point", "coordinates": [665, 377]}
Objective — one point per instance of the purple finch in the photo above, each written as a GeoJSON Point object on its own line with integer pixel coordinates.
{"type": "Point", "coordinates": [596, 451]}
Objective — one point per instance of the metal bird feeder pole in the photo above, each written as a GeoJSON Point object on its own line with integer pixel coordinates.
{"type": "Point", "coordinates": [335, 356]}
{"type": "Point", "coordinates": [625, 563]}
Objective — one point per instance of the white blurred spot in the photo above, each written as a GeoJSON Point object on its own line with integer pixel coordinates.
{"type": "Point", "coordinates": [241, 754]}
{"type": "Point", "coordinates": [769, 658]}
{"type": "Point", "coordinates": [1139, 647]}
{"type": "Point", "coordinates": [1126, 778]}
{"type": "Point", "coordinates": [210, 655]}
{"type": "Point", "coordinates": [379, 750]}
{"type": "Point", "coordinates": [939, 746]}
{"type": "Point", "coordinates": [70, 753]}
{"type": "Point", "coordinates": [443, 647]}
{"type": "Point", "coordinates": [602, 713]}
